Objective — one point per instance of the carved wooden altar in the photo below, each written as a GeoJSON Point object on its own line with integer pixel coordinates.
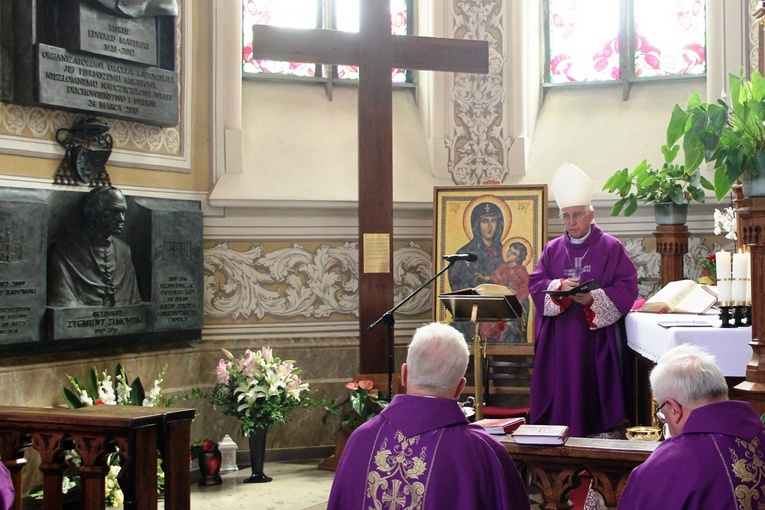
{"type": "Point", "coordinates": [672, 245]}
{"type": "Point", "coordinates": [555, 470]}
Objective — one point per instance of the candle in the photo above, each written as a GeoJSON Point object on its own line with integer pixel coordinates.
{"type": "Point", "coordinates": [739, 278]}
{"type": "Point", "coordinates": [748, 297]}
{"type": "Point", "coordinates": [722, 264]}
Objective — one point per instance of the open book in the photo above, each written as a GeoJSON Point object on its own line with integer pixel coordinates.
{"type": "Point", "coordinates": [496, 302]}
{"type": "Point", "coordinates": [683, 296]}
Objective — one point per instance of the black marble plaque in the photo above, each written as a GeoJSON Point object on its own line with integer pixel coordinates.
{"type": "Point", "coordinates": [97, 321]}
{"type": "Point", "coordinates": [23, 226]}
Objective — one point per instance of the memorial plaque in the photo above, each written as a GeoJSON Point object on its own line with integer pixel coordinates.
{"type": "Point", "coordinates": [176, 268]}
{"type": "Point", "coordinates": [118, 89]}
{"type": "Point", "coordinates": [23, 226]}
{"type": "Point", "coordinates": [97, 321]}
{"type": "Point", "coordinates": [82, 57]}
{"type": "Point", "coordinates": [111, 36]}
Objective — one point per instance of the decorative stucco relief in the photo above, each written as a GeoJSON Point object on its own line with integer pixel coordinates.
{"type": "Point", "coordinates": [294, 282]}
{"type": "Point", "coordinates": [479, 147]}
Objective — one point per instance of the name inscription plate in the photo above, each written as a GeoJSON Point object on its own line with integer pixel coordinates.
{"type": "Point", "coordinates": [112, 36]}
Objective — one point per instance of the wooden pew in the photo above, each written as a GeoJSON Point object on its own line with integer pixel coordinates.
{"type": "Point", "coordinates": [138, 432]}
{"type": "Point", "coordinates": [555, 470]}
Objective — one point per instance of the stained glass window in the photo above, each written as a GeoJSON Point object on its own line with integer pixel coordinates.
{"type": "Point", "coordinates": [312, 14]}
{"type": "Point", "coordinates": [588, 40]}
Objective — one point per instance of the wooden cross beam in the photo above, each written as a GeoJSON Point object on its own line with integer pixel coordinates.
{"type": "Point", "coordinates": [376, 52]}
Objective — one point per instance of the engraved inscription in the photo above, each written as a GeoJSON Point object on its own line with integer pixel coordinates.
{"type": "Point", "coordinates": [10, 248]}
{"type": "Point", "coordinates": [134, 40]}
{"type": "Point", "coordinates": [12, 318]}
{"type": "Point", "coordinates": [115, 88]}
{"type": "Point", "coordinates": [178, 298]}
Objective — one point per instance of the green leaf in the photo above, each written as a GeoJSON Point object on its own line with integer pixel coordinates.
{"type": "Point", "coordinates": [632, 206]}
{"type": "Point", "coordinates": [676, 127]}
{"type": "Point", "coordinates": [137, 393]}
{"type": "Point", "coordinates": [93, 384]}
{"type": "Point", "coordinates": [72, 401]}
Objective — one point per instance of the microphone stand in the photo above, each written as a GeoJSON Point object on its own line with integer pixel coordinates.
{"type": "Point", "coordinates": [389, 320]}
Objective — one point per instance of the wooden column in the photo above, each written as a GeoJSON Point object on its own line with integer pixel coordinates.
{"type": "Point", "coordinates": [751, 218]}
{"type": "Point", "coordinates": [672, 245]}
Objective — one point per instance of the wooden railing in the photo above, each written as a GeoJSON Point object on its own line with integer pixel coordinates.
{"type": "Point", "coordinates": [555, 470]}
{"type": "Point", "coordinates": [95, 432]}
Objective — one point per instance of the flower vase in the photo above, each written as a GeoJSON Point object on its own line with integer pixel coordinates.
{"type": "Point", "coordinates": [257, 440]}
{"type": "Point", "coordinates": [209, 467]}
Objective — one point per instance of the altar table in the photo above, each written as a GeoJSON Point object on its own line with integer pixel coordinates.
{"type": "Point", "coordinates": [729, 345]}
{"type": "Point", "coordinates": [648, 341]}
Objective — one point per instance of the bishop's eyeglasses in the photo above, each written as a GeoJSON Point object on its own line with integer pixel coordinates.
{"type": "Point", "coordinates": [659, 414]}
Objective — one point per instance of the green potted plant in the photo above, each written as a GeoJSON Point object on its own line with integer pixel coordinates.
{"type": "Point", "coordinates": [669, 188]}
{"type": "Point", "coordinates": [730, 134]}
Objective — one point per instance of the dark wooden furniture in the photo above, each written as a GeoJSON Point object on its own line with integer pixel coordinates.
{"type": "Point", "coordinates": [510, 375]}
{"type": "Point", "coordinates": [555, 470]}
{"type": "Point", "coordinates": [95, 432]}
{"type": "Point", "coordinates": [672, 245]}
{"type": "Point", "coordinates": [751, 231]}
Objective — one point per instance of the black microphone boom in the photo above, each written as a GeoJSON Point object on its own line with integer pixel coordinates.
{"type": "Point", "coordinates": [467, 257]}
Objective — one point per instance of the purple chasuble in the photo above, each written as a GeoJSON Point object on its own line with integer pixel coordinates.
{"type": "Point", "coordinates": [6, 488]}
{"type": "Point", "coordinates": [579, 375]}
{"type": "Point", "coordinates": [422, 453]}
{"type": "Point", "coordinates": [716, 463]}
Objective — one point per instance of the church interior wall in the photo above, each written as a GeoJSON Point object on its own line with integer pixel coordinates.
{"type": "Point", "coordinates": [297, 204]}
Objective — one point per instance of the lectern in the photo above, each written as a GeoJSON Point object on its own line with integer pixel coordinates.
{"type": "Point", "coordinates": [469, 307]}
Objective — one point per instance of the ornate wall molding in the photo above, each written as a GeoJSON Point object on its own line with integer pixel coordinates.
{"type": "Point", "coordinates": [479, 147]}
{"type": "Point", "coordinates": [292, 283]}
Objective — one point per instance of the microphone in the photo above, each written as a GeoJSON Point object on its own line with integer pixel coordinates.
{"type": "Point", "coordinates": [467, 257]}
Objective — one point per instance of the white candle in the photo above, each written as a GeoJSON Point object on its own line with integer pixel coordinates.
{"type": "Point", "coordinates": [748, 297]}
{"type": "Point", "coordinates": [739, 277]}
{"type": "Point", "coordinates": [722, 263]}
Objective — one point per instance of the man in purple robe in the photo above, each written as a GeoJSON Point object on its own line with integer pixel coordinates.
{"type": "Point", "coordinates": [579, 375]}
{"type": "Point", "coordinates": [420, 451]}
{"type": "Point", "coordinates": [714, 457]}
{"type": "Point", "coordinates": [6, 488]}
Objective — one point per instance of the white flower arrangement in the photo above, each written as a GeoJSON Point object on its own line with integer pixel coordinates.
{"type": "Point", "coordinates": [258, 388]}
{"type": "Point", "coordinates": [725, 220]}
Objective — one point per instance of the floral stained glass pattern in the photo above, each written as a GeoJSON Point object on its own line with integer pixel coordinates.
{"type": "Point", "coordinates": [307, 14]}
{"type": "Point", "coordinates": [280, 13]}
{"type": "Point", "coordinates": [584, 39]}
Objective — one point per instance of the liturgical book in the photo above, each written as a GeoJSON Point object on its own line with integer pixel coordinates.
{"type": "Point", "coordinates": [683, 296]}
{"type": "Point", "coordinates": [555, 435]}
{"type": "Point", "coordinates": [499, 426]}
{"type": "Point", "coordinates": [582, 288]}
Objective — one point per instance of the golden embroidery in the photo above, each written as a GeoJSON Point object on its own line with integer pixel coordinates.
{"type": "Point", "coordinates": [749, 470]}
{"type": "Point", "coordinates": [396, 482]}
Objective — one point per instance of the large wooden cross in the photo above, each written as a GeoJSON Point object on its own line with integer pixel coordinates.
{"type": "Point", "coordinates": [376, 52]}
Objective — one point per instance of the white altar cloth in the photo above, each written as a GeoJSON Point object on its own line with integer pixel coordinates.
{"type": "Point", "coordinates": [729, 345]}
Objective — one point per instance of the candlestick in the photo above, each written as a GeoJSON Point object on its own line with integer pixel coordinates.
{"type": "Point", "coordinates": [739, 278]}
{"type": "Point", "coordinates": [724, 290]}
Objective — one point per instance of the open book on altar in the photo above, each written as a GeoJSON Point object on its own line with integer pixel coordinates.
{"type": "Point", "coordinates": [495, 302]}
{"type": "Point", "coordinates": [683, 296]}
